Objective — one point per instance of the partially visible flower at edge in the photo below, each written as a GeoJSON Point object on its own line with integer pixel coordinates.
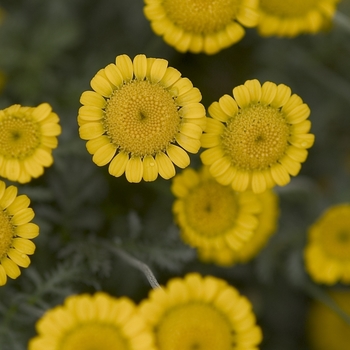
{"type": "Point", "coordinates": [141, 118]}
{"type": "Point", "coordinates": [201, 26]}
{"type": "Point", "coordinates": [97, 321]}
{"type": "Point", "coordinates": [28, 136]}
{"type": "Point", "coordinates": [327, 252]}
{"type": "Point", "coordinates": [16, 232]}
{"type": "Point", "coordinates": [257, 139]}
{"type": "Point", "coordinates": [289, 18]}
{"type": "Point", "coordinates": [200, 312]}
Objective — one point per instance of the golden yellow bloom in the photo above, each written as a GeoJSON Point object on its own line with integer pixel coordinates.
{"type": "Point", "coordinates": [198, 312]}
{"type": "Point", "coordinates": [201, 25]}
{"type": "Point", "coordinates": [257, 139]}
{"type": "Point", "coordinates": [267, 225]}
{"type": "Point", "coordinates": [16, 232]}
{"type": "Point", "coordinates": [212, 216]}
{"type": "Point", "coordinates": [289, 18]}
{"type": "Point", "coordinates": [325, 328]}
{"type": "Point", "coordinates": [98, 321]}
{"type": "Point", "coordinates": [28, 136]}
{"type": "Point", "coordinates": [327, 253]}
{"type": "Point", "coordinates": [141, 118]}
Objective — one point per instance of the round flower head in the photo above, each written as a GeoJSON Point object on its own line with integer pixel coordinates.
{"type": "Point", "coordinates": [88, 322]}
{"type": "Point", "coordinates": [325, 328]}
{"type": "Point", "coordinates": [16, 232]}
{"type": "Point", "coordinates": [267, 226]}
{"type": "Point", "coordinates": [201, 25]}
{"type": "Point", "coordinates": [28, 136]}
{"type": "Point", "coordinates": [141, 118]}
{"type": "Point", "coordinates": [210, 215]}
{"type": "Point", "coordinates": [289, 18]}
{"type": "Point", "coordinates": [198, 312]}
{"type": "Point", "coordinates": [327, 253]}
{"type": "Point", "coordinates": [257, 139]}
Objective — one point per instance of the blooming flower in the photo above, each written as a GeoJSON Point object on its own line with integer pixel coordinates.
{"type": "Point", "coordinates": [257, 139]}
{"type": "Point", "coordinates": [327, 253]}
{"type": "Point", "coordinates": [212, 216]}
{"type": "Point", "coordinates": [92, 322]}
{"type": "Point", "coordinates": [325, 328]}
{"type": "Point", "coordinates": [141, 118]}
{"type": "Point", "coordinates": [289, 18]}
{"type": "Point", "coordinates": [198, 312]}
{"type": "Point", "coordinates": [28, 136]}
{"type": "Point", "coordinates": [201, 25]}
{"type": "Point", "coordinates": [16, 232]}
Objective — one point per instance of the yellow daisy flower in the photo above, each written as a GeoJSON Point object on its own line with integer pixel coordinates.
{"type": "Point", "coordinates": [201, 25]}
{"type": "Point", "coordinates": [257, 139]}
{"type": "Point", "coordinates": [141, 118]}
{"type": "Point", "coordinates": [96, 321]}
{"type": "Point", "coordinates": [327, 253]}
{"type": "Point", "coordinates": [267, 226]}
{"type": "Point", "coordinates": [289, 18]}
{"type": "Point", "coordinates": [16, 232]}
{"type": "Point", "coordinates": [28, 136]}
{"type": "Point", "coordinates": [198, 312]}
{"type": "Point", "coordinates": [325, 328]}
{"type": "Point", "coordinates": [210, 215]}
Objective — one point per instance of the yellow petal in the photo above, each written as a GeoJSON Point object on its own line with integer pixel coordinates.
{"type": "Point", "coordinates": [3, 276]}
{"type": "Point", "coordinates": [283, 94]}
{"type": "Point", "coordinates": [191, 130]}
{"type": "Point", "coordinates": [192, 96]}
{"type": "Point", "coordinates": [220, 166]}
{"type": "Point", "coordinates": [124, 64]}
{"type": "Point", "coordinates": [298, 154]}
{"type": "Point", "coordinates": [140, 66]}
{"type": "Point", "coordinates": [193, 111]}
{"type": "Point", "coordinates": [268, 92]}
{"type": "Point", "coordinates": [280, 174]}
{"type": "Point", "coordinates": [90, 113]}
{"type": "Point", "coordinates": [42, 111]}
{"type": "Point", "coordinates": [22, 216]}
{"type": "Point", "coordinates": [8, 197]}
{"type": "Point", "coordinates": [217, 113]}
{"type": "Point", "coordinates": [158, 70]}
{"type": "Point", "coordinates": [93, 145]}
{"type": "Point", "coordinates": [258, 182]}
{"type": "Point", "coordinates": [91, 130]}
{"type": "Point", "coordinates": [254, 89]}
{"type": "Point", "coordinates": [242, 96]}
{"type": "Point", "coordinates": [12, 169]}
{"type": "Point", "coordinates": [240, 181]}
{"type": "Point", "coordinates": [134, 169]}
{"type": "Point", "coordinates": [114, 75]}
{"type": "Point", "coordinates": [29, 230]}
{"type": "Point", "coordinates": [23, 245]}
{"type": "Point", "coordinates": [118, 164]}
{"type": "Point", "coordinates": [12, 269]}
{"type": "Point", "coordinates": [165, 166]}
{"type": "Point", "coordinates": [211, 155]}
{"type": "Point", "coordinates": [91, 98]}
{"type": "Point", "coordinates": [188, 143]}
{"type": "Point", "coordinates": [19, 203]}
{"type": "Point", "coordinates": [170, 77]}
{"type": "Point", "coordinates": [101, 85]}
{"type": "Point", "coordinates": [293, 167]}
{"type": "Point", "coordinates": [150, 169]}
{"type": "Point", "coordinates": [298, 114]}
{"type": "Point", "coordinates": [43, 157]}
{"type": "Point", "coordinates": [104, 154]}
{"type": "Point", "coordinates": [178, 156]}
{"type": "Point", "coordinates": [228, 105]}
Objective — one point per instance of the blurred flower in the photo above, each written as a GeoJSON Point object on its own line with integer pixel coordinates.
{"type": "Point", "coordinates": [198, 312]}
{"type": "Point", "coordinates": [138, 112]}
{"type": "Point", "coordinates": [27, 138]}
{"type": "Point", "coordinates": [267, 225]}
{"type": "Point", "coordinates": [289, 18]}
{"type": "Point", "coordinates": [326, 330]}
{"type": "Point", "coordinates": [201, 26]}
{"type": "Point", "coordinates": [16, 230]}
{"type": "Point", "coordinates": [327, 253]}
{"type": "Point", "coordinates": [257, 139]}
{"type": "Point", "coordinates": [92, 322]}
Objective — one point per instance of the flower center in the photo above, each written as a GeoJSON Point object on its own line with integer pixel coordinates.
{"type": "Point", "coordinates": [201, 16]}
{"type": "Point", "coordinates": [288, 8]}
{"type": "Point", "coordinates": [211, 209]}
{"type": "Point", "coordinates": [336, 240]}
{"type": "Point", "coordinates": [141, 118]}
{"type": "Point", "coordinates": [94, 336]}
{"type": "Point", "coordinates": [6, 233]}
{"type": "Point", "coordinates": [256, 137]}
{"type": "Point", "coordinates": [194, 326]}
{"type": "Point", "coordinates": [19, 137]}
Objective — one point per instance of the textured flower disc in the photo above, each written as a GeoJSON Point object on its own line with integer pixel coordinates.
{"type": "Point", "coordinates": [289, 18]}
{"type": "Point", "coordinates": [210, 215]}
{"type": "Point", "coordinates": [28, 136]}
{"type": "Point", "coordinates": [203, 313]}
{"type": "Point", "coordinates": [201, 25]}
{"type": "Point", "coordinates": [257, 139]}
{"type": "Point", "coordinates": [327, 253]}
{"type": "Point", "coordinates": [88, 322]}
{"type": "Point", "coordinates": [16, 232]}
{"type": "Point", "coordinates": [141, 118]}
{"type": "Point", "coordinates": [267, 225]}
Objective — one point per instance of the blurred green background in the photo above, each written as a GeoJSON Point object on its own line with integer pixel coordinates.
{"type": "Point", "coordinates": [49, 51]}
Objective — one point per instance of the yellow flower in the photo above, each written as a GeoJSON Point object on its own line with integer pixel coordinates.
{"type": "Point", "coordinates": [289, 18]}
{"type": "Point", "coordinates": [257, 139]}
{"type": "Point", "coordinates": [96, 321]}
{"type": "Point", "coordinates": [327, 253]}
{"type": "Point", "coordinates": [267, 226]}
{"type": "Point", "coordinates": [326, 330]}
{"type": "Point", "coordinates": [198, 312]}
{"type": "Point", "coordinates": [16, 230]}
{"type": "Point", "coordinates": [27, 138]}
{"type": "Point", "coordinates": [201, 25]}
{"type": "Point", "coordinates": [212, 216]}
{"type": "Point", "coordinates": [141, 118]}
